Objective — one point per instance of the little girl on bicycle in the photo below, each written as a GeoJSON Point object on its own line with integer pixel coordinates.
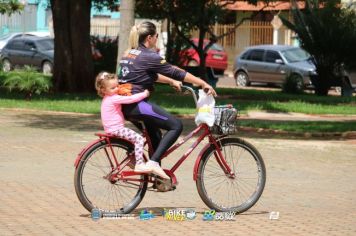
{"type": "Point", "coordinates": [112, 118]}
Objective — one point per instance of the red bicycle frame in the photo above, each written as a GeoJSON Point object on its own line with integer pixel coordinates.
{"type": "Point", "coordinates": [205, 133]}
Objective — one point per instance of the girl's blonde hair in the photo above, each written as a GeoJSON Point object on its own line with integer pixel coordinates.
{"type": "Point", "coordinates": [139, 33]}
{"type": "Point", "coordinates": [100, 82]}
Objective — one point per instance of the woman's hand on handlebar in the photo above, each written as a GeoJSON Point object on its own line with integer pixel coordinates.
{"type": "Point", "coordinates": [209, 90]}
{"type": "Point", "coordinates": [177, 85]}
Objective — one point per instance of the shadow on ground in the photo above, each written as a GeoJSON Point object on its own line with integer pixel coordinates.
{"type": "Point", "coordinates": [92, 123]}
{"type": "Point", "coordinates": [61, 121]}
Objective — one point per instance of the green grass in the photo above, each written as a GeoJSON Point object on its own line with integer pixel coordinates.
{"type": "Point", "coordinates": [301, 126]}
{"type": "Point", "coordinates": [244, 100]}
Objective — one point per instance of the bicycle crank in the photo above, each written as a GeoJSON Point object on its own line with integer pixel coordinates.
{"type": "Point", "coordinates": [163, 185]}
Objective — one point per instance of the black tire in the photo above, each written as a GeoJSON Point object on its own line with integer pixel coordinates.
{"type": "Point", "coordinates": [100, 185]}
{"type": "Point", "coordinates": [237, 153]}
{"type": "Point", "coordinates": [299, 82]}
{"type": "Point", "coordinates": [6, 65]}
{"type": "Point", "coordinates": [242, 79]}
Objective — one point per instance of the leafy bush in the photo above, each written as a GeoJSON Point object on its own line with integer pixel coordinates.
{"type": "Point", "coordinates": [2, 77]}
{"type": "Point", "coordinates": [27, 80]}
{"type": "Point", "coordinates": [293, 84]}
{"type": "Point", "coordinates": [107, 47]}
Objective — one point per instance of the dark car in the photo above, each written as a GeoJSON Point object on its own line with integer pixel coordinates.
{"type": "Point", "coordinates": [29, 50]}
{"type": "Point", "coordinates": [271, 64]}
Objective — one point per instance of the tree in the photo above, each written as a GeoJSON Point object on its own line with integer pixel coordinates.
{"type": "Point", "coordinates": [186, 15]}
{"type": "Point", "coordinates": [328, 33]}
{"type": "Point", "coordinates": [73, 69]}
{"type": "Point", "coordinates": [10, 6]}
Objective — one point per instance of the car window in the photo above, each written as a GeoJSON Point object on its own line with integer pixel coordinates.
{"type": "Point", "coordinates": [16, 44]}
{"type": "Point", "coordinates": [29, 45]}
{"type": "Point", "coordinates": [245, 55]}
{"type": "Point", "coordinates": [256, 55]}
{"type": "Point", "coordinates": [272, 56]}
{"type": "Point", "coordinates": [45, 44]}
{"type": "Point", "coordinates": [295, 55]}
{"type": "Point", "coordinates": [216, 47]}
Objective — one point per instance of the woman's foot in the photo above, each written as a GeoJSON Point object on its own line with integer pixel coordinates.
{"type": "Point", "coordinates": [156, 169]}
{"type": "Point", "coordinates": [142, 167]}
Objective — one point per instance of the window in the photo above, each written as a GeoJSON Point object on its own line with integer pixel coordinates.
{"type": "Point", "coordinates": [295, 55]}
{"type": "Point", "coordinates": [272, 56]}
{"type": "Point", "coordinates": [29, 45]}
{"type": "Point", "coordinates": [256, 55]}
{"type": "Point", "coordinates": [45, 44]}
{"type": "Point", "coordinates": [16, 44]}
{"type": "Point", "coordinates": [245, 55]}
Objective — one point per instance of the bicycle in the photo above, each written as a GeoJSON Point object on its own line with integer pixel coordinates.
{"type": "Point", "coordinates": [229, 172]}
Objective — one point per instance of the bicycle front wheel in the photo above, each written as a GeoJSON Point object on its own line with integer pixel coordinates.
{"type": "Point", "coordinates": [93, 183]}
{"type": "Point", "coordinates": [239, 190]}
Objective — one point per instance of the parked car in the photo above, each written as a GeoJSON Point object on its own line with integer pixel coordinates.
{"type": "Point", "coordinates": [271, 64]}
{"type": "Point", "coordinates": [6, 38]}
{"type": "Point", "coordinates": [29, 50]}
{"type": "Point", "coordinates": [216, 57]}
{"type": "Point", "coordinates": [350, 77]}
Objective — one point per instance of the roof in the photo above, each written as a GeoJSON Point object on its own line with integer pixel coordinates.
{"type": "Point", "coordinates": [272, 47]}
{"type": "Point", "coordinates": [272, 6]}
{"type": "Point", "coordinates": [30, 37]}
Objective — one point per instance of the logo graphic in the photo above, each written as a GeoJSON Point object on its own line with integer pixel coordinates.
{"type": "Point", "coordinates": [209, 215]}
{"type": "Point", "coordinates": [179, 214]}
{"type": "Point", "coordinates": [125, 71]}
{"type": "Point", "coordinates": [95, 214]}
{"type": "Point", "coordinates": [146, 215]}
{"type": "Point", "coordinates": [218, 216]}
{"type": "Point", "coordinates": [274, 215]}
{"type": "Point", "coordinates": [191, 214]}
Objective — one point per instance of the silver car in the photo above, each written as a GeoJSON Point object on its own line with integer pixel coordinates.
{"type": "Point", "coordinates": [271, 64]}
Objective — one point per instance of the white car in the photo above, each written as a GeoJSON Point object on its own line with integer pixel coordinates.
{"type": "Point", "coordinates": [6, 38]}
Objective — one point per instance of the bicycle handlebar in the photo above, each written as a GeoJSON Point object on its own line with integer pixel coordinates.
{"type": "Point", "coordinates": [192, 92]}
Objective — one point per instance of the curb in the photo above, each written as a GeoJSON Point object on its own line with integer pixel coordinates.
{"type": "Point", "coordinates": [307, 135]}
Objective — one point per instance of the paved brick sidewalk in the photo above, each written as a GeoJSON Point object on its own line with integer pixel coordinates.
{"type": "Point", "coordinates": [310, 183]}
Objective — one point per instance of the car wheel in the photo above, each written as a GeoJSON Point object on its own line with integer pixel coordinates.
{"type": "Point", "coordinates": [242, 79]}
{"type": "Point", "coordinates": [47, 68]}
{"type": "Point", "coordinates": [193, 63]}
{"type": "Point", "coordinates": [6, 65]}
{"type": "Point", "coordinates": [299, 82]}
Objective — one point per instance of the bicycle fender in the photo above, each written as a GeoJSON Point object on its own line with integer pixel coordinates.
{"type": "Point", "coordinates": [197, 161]}
{"type": "Point", "coordinates": [79, 156]}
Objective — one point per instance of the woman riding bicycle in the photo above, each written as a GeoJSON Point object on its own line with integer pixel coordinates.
{"type": "Point", "coordinates": [140, 67]}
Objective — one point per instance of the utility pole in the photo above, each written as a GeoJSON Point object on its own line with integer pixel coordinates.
{"type": "Point", "coordinates": [127, 20]}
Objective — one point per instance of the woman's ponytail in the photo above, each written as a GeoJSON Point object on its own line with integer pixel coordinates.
{"type": "Point", "coordinates": [133, 38]}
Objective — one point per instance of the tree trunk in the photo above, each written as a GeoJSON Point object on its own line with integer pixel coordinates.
{"type": "Point", "coordinates": [169, 42]}
{"type": "Point", "coordinates": [73, 64]}
{"type": "Point", "coordinates": [346, 87]}
{"type": "Point", "coordinates": [202, 55]}
{"type": "Point", "coordinates": [321, 83]}
{"type": "Point", "coordinates": [127, 20]}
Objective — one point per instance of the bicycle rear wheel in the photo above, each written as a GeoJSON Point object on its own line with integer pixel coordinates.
{"type": "Point", "coordinates": [237, 192]}
{"type": "Point", "coordinates": [95, 188]}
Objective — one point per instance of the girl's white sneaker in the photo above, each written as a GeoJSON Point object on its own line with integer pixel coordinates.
{"type": "Point", "coordinates": [157, 170]}
{"type": "Point", "coordinates": [142, 167]}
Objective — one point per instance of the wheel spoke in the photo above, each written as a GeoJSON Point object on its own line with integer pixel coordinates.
{"type": "Point", "coordinates": [95, 186]}
{"type": "Point", "coordinates": [240, 191]}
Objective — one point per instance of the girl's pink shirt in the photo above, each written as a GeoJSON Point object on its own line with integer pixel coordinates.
{"type": "Point", "coordinates": [111, 114]}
